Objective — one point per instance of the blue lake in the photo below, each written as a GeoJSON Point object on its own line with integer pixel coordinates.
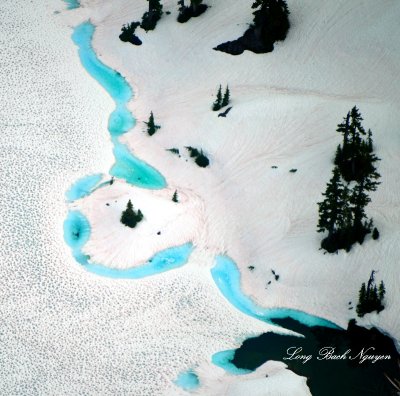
{"type": "Point", "coordinates": [133, 170]}
{"type": "Point", "coordinates": [188, 380]}
{"type": "Point", "coordinates": [224, 359]}
{"type": "Point", "coordinates": [71, 4]}
{"type": "Point", "coordinates": [77, 233]}
{"type": "Point", "coordinates": [83, 187]}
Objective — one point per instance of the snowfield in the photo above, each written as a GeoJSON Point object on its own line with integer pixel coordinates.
{"type": "Point", "coordinates": [286, 106]}
{"type": "Point", "coordinates": [67, 331]}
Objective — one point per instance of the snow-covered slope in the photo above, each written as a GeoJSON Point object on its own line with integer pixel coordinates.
{"type": "Point", "coordinates": [286, 106]}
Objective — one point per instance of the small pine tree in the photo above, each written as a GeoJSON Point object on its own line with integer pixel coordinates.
{"type": "Point", "coordinates": [382, 291]}
{"type": "Point", "coordinates": [201, 160]}
{"type": "Point", "coordinates": [129, 217]}
{"type": "Point", "coordinates": [375, 234]}
{"type": "Point", "coordinates": [355, 157]}
{"type": "Point", "coordinates": [226, 98]}
{"type": "Point", "coordinates": [152, 128]}
{"type": "Point", "coordinates": [218, 102]}
{"type": "Point", "coordinates": [370, 298]}
{"type": "Point", "coordinates": [331, 209]}
{"type": "Point", "coordinates": [175, 196]}
{"type": "Point", "coordinates": [182, 7]}
{"type": "Point", "coordinates": [361, 298]}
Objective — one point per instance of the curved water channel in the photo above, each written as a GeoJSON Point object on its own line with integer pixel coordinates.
{"type": "Point", "coordinates": [126, 166]}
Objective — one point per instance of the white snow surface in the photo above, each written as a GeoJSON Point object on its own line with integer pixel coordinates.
{"type": "Point", "coordinates": [65, 331]}
{"type": "Point", "coordinates": [286, 106]}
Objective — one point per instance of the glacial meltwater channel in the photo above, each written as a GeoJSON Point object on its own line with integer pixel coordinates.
{"type": "Point", "coordinates": [77, 233]}
{"type": "Point", "coordinates": [126, 166]}
{"type": "Point", "coordinates": [227, 277]}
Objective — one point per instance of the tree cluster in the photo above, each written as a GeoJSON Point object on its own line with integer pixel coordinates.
{"type": "Point", "coordinates": [128, 33]}
{"type": "Point", "coordinates": [130, 217]}
{"type": "Point", "coordinates": [270, 24]}
{"type": "Point", "coordinates": [195, 9]}
{"type": "Point", "coordinates": [370, 297]}
{"type": "Point", "coordinates": [152, 16]}
{"type": "Point", "coordinates": [199, 158]}
{"type": "Point", "coordinates": [221, 101]}
{"type": "Point", "coordinates": [342, 212]}
{"type": "Point", "coordinates": [152, 128]}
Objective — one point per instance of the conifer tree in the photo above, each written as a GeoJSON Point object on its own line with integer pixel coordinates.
{"type": "Point", "coordinates": [382, 291]}
{"type": "Point", "coordinates": [152, 128]}
{"type": "Point", "coordinates": [194, 4]}
{"type": "Point", "coordinates": [152, 16]}
{"type": "Point", "coordinates": [129, 217]}
{"type": "Point", "coordinates": [226, 98]}
{"type": "Point", "coordinates": [182, 7]}
{"type": "Point", "coordinates": [218, 102]}
{"type": "Point", "coordinates": [355, 157]}
{"type": "Point", "coordinates": [370, 298]}
{"type": "Point", "coordinates": [332, 209]}
{"type": "Point", "coordinates": [270, 21]}
{"type": "Point", "coordinates": [175, 196]}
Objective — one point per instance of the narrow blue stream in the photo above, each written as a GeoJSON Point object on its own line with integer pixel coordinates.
{"type": "Point", "coordinates": [127, 166]}
{"type": "Point", "coordinates": [77, 233]}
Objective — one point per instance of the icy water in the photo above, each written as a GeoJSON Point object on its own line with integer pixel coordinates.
{"type": "Point", "coordinates": [127, 166]}
{"type": "Point", "coordinates": [227, 277]}
{"type": "Point", "coordinates": [77, 233]}
{"type": "Point", "coordinates": [353, 377]}
{"type": "Point", "coordinates": [71, 4]}
{"type": "Point", "coordinates": [83, 187]}
{"type": "Point", "coordinates": [188, 380]}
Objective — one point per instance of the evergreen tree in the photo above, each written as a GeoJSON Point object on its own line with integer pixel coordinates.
{"type": "Point", "coordinates": [152, 16]}
{"type": "Point", "coordinates": [129, 217]}
{"type": "Point", "coordinates": [175, 196]}
{"type": "Point", "coordinates": [355, 157]}
{"type": "Point", "coordinates": [194, 4]}
{"type": "Point", "coordinates": [370, 298]}
{"type": "Point", "coordinates": [362, 295]}
{"type": "Point", "coordinates": [226, 98]}
{"type": "Point", "coordinates": [270, 21]}
{"type": "Point", "coordinates": [152, 128]}
{"type": "Point", "coordinates": [382, 291]}
{"type": "Point", "coordinates": [128, 33]}
{"type": "Point", "coordinates": [375, 234]}
{"type": "Point", "coordinates": [201, 160]}
{"type": "Point", "coordinates": [182, 7]}
{"type": "Point", "coordinates": [218, 102]}
{"type": "Point", "coordinates": [195, 9]}
{"type": "Point", "coordinates": [332, 210]}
